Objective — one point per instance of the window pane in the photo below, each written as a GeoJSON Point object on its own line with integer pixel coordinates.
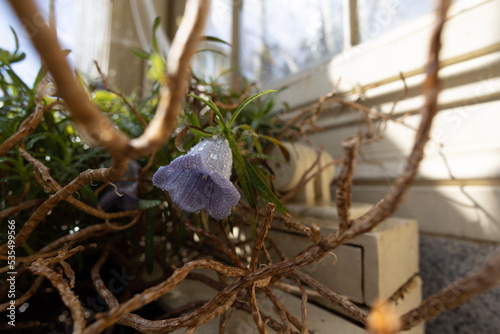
{"type": "Point", "coordinates": [282, 37]}
{"type": "Point", "coordinates": [378, 16]}
{"type": "Point", "coordinates": [209, 65]}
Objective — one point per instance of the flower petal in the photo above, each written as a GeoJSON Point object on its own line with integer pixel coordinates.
{"type": "Point", "coordinates": [200, 179]}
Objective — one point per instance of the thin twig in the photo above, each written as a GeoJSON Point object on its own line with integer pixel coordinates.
{"type": "Point", "coordinates": [172, 94]}
{"type": "Point", "coordinates": [124, 99]}
{"type": "Point", "coordinates": [303, 307]}
{"type": "Point", "coordinates": [41, 268]}
{"type": "Point", "coordinates": [282, 311]}
{"type": "Point", "coordinates": [31, 122]}
{"type": "Point", "coordinates": [27, 295]}
{"type": "Point", "coordinates": [19, 207]}
{"type": "Point", "coordinates": [266, 225]}
{"type": "Point", "coordinates": [254, 308]}
{"type": "Point", "coordinates": [344, 181]}
{"type": "Point", "coordinates": [218, 243]}
{"type": "Point", "coordinates": [456, 293]}
{"type": "Point", "coordinates": [334, 297]}
{"type": "Point", "coordinates": [89, 119]}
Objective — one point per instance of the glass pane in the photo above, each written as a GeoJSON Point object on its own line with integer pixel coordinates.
{"type": "Point", "coordinates": [378, 16]}
{"type": "Point", "coordinates": [207, 64]}
{"type": "Point", "coordinates": [282, 37]}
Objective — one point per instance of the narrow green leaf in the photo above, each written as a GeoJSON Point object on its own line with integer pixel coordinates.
{"type": "Point", "coordinates": [199, 132]}
{"type": "Point", "coordinates": [214, 108]}
{"type": "Point", "coordinates": [193, 119]}
{"type": "Point", "coordinates": [149, 234]}
{"type": "Point", "coordinates": [156, 24]}
{"type": "Point", "coordinates": [204, 219]}
{"type": "Point", "coordinates": [140, 53]}
{"type": "Point", "coordinates": [148, 203]}
{"type": "Point", "coordinates": [263, 189]}
{"type": "Point", "coordinates": [215, 39]}
{"type": "Point", "coordinates": [241, 172]}
{"type": "Point", "coordinates": [245, 103]}
{"type": "Point", "coordinates": [283, 149]}
{"type": "Point", "coordinates": [16, 40]}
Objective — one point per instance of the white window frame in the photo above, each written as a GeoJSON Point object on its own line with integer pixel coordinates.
{"type": "Point", "coordinates": [374, 67]}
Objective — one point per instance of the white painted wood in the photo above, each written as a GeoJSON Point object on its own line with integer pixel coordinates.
{"type": "Point", "coordinates": [401, 51]}
{"type": "Point", "coordinates": [319, 319]}
{"type": "Point", "coordinates": [342, 273]}
{"type": "Point", "coordinates": [390, 256]}
{"type": "Point", "coordinates": [469, 211]}
{"type": "Point", "coordinates": [465, 144]}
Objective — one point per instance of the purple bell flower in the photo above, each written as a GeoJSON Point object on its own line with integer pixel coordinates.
{"type": "Point", "coordinates": [126, 188]}
{"type": "Point", "coordinates": [200, 179]}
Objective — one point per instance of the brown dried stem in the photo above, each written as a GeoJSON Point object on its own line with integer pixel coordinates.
{"type": "Point", "coordinates": [456, 293]}
{"type": "Point", "coordinates": [284, 314]}
{"type": "Point", "coordinates": [218, 243]}
{"type": "Point", "coordinates": [95, 125]}
{"type": "Point", "coordinates": [254, 308]}
{"type": "Point", "coordinates": [117, 168]}
{"type": "Point", "coordinates": [236, 104]}
{"type": "Point", "coordinates": [31, 122]}
{"type": "Point", "coordinates": [224, 319]}
{"type": "Point", "coordinates": [266, 225]}
{"type": "Point", "coordinates": [199, 317]}
{"type": "Point", "coordinates": [172, 94]}
{"type": "Point", "coordinates": [334, 297]}
{"type": "Point", "coordinates": [27, 295]}
{"type": "Point", "coordinates": [41, 268]}
{"type": "Point", "coordinates": [19, 207]}
{"type": "Point", "coordinates": [124, 99]}
{"type": "Point", "coordinates": [303, 308]}
{"type": "Point", "coordinates": [344, 181]}
{"type": "Point", "coordinates": [55, 186]}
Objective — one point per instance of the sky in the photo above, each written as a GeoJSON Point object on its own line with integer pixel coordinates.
{"type": "Point", "coordinates": [65, 21]}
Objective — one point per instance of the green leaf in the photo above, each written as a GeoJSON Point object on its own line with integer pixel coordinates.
{"type": "Point", "coordinates": [199, 132]}
{"type": "Point", "coordinates": [149, 234]}
{"type": "Point", "coordinates": [191, 115]}
{"type": "Point", "coordinates": [156, 24]}
{"type": "Point", "coordinates": [242, 173]}
{"type": "Point", "coordinates": [214, 108]}
{"type": "Point", "coordinates": [215, 40]}
{"type": "Point", "coordinates": [140, 53]}
{"type": "Point", "coordinates": [148, 203]}
{"type": "Point", "coordinates": [16, 40]}
{"type": "Point", "coordinates": [212, 50]}
{"type": "Point", "coordinates": [245, 103]}
{"type": "Point", "coordinates": [263, 189]}
{"type": "Point", "coordinates": [283, 149]}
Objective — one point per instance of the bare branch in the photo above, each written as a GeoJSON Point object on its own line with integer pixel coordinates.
{"type": "Point", "coordinates": [70, 300]}
{"type": "Point", "coordinates": [344, 181]}
{"type": "Point", "coordinates": [124, 99]}
{"type": "Point", "coordinates": [284, 315]}
{"type": "Point", "coordinates": [254, 308]}
{"type": "Point", "coordinates": [456, 293]}
{"type": "Point", "coordinates": [19, 207]}
{"type": "Point", "coordinates": [31, 122]}
{"type": "Point", "coordinates": [90, 120]}
{"type": "Point", "coordinates": [172, 94]}
{"type": "Point", "coordinates": [266, 225]}
{"type": "Point", "coordinates": [218, 243]}
{"type": "Point", "coordinates": [334, 297]}
{"type": "Point", "coordinates": [27, 295]}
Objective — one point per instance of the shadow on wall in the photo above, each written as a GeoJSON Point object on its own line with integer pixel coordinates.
{"type": "Point", "coordinates": [455, 197]}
